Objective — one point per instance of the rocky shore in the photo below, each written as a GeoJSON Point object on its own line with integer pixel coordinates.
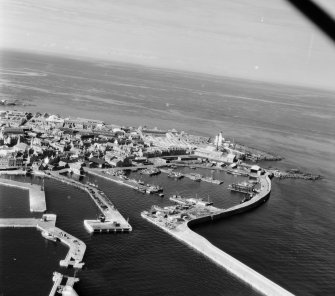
{"type": "Point", "coordinates": [294, 174]}
{"type": "Point", "coordinates": [254, 154]}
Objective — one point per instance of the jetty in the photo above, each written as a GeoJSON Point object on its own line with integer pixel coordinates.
{"type": "Point", "coordinates": [76, 251]}
{"type": "Point", "coordinates": [36, 194]}
{"type": "Point", "coordinates": [47, 224]}
{"type": "Point", "coordinates": [111, 219]}
{"type": "Point", "coordinates": [19, 222]}
{"type": "Point", "coordinates": [182, 232]}
{"type": "Point", "coordinates": [47, 221]}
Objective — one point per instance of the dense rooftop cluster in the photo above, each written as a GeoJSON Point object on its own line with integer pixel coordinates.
{"type": "Point", "coordinates": [48, 141]}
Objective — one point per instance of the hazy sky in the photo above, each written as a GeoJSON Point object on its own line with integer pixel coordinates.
{"type": "Point", "coordinates": [257, 39]}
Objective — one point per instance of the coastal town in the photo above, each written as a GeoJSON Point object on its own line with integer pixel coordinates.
{"type": "Point", "coordinates": [49, 142]}
{"type": "Point", "coordinates": [51, 146]}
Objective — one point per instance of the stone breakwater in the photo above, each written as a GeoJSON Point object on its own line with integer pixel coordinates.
{"type": "Point", "coordinates": [183, 233]}
{"type": "Point", "coordinates": [47, 226]}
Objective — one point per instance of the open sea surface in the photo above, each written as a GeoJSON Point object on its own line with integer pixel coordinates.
{"type": "Point", "coordinates": [290, 239]}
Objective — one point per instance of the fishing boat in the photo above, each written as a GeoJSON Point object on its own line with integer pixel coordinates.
{"type": "Point", "coordinates": [92, 184]}
{"type": "Point", "coordinates": [176, 175]}
{"type": "Point", "coordinates": [195, 177]}
{"type": "Point", "coordinates": [49, 236]}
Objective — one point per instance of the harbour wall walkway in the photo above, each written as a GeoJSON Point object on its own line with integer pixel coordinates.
{"type": "Point", "coordinates": [36, 195]}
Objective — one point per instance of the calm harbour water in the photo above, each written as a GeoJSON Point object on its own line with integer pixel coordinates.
{"type": "Point", "coordinates": [290, 239]}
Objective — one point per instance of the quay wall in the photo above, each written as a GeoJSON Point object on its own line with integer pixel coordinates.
{"type": "Point", "coordinates": [110, 178]}
{"type": "Point", "coordinates": [256, 201]}
{"type": "Point", "coordinates": [77, 185]}
{"type": "Point", "coordinates": [18, 222]}
{"type": "Point", "coordinates": [228, 213]}
{"type": "Point", "coordinates": [36, 195]}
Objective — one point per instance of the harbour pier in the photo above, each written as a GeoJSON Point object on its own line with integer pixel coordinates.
{"type": "Point", "coordinates": [36, 194]}
{"type": "Point", "coordinates": [19, 222]}
{"type": "Point", "coordinates": [47, 221]}
{"type": "Point", "coordinates": [182, 232]}
{"type": "Point", "coordinates": [57, 279]}
{"type": "Point", "coordinates": [76, 251]}
{"type": "Point", "coordinates": [49, 231]}
{"type": "Point", "coordinates": [47, 224]}
{"type": "Point", "coordinates": [111, 220]}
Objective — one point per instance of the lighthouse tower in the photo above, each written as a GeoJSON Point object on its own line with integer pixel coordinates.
{"type": "Point", "coordinates": [216, 141]}
{"type": "Point", "coordinates": [220, 139]}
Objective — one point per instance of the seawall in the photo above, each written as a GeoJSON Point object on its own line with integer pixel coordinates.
{"type": "Point", "coordinates": [256, 201]}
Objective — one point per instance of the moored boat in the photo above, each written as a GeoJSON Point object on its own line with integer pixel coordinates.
{"type": "Point", "coordinates": [176, 175]}
{"type": "Point", "coordinates": [46, 234]}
